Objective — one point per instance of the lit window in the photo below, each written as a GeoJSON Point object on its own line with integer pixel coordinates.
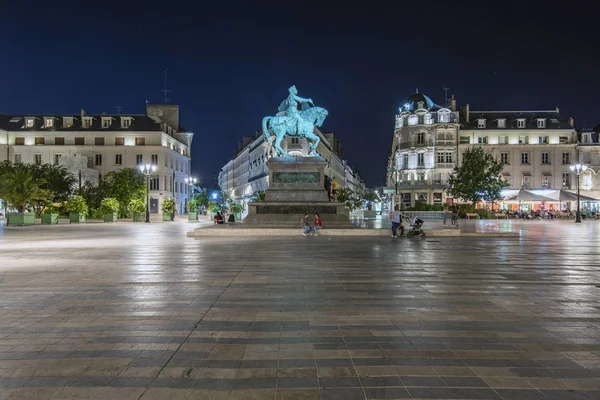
{"type": "Point", "coordinates": [481, 123]}
{"type": "Point", "coordinates": [140, 141]}
{"type": "Point", "coordinates": [67, 122]}
{"type": "Point", "coordinates": [48, 122]}
{"type": "Point", "coordinates": [521, 123]}
{"type": "Point", "coordinates": [29, 123]}
{"type": "Point", "coordinates": [541, 122]}
{"type": "Point", "coordinates": [39, 140]}
{"type": "Point", "coordinates": [501, 123]}
{"type": "Point", "coordinates": [19, 141]}
{"type": "Point", "coordinates": [119, 141]}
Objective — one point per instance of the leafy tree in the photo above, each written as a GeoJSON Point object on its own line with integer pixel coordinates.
{"type": "Point", "coordinates": [370, 196]}
{"type": "Point", "coordinates": [192, 205]}
{"type": "Point", "coordinates": [168, 205]}
{"type": "Point", "coordinates": [125, 185]}
{"type": "Point", "coordinates": [109, 205]}
{"type": "Point", "coordinates": [55, 178]}
{"type": "Point", "coordinates": [477, 178]}
{"type": "Point", "coordinates": [93, 195]}
{"type": "Point", "coordinates": [19, 187]}
{"type": "Point", "coordinates": [202, 198]}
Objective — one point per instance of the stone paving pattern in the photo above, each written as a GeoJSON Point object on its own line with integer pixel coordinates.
{"type": "Point", "coordinates": [139, 311]}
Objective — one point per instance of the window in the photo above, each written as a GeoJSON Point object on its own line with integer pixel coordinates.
{"type": "Point", "coordinates": [437, 197]}
{"type": "Point", "coordinates": [504, 158]}
{"type": "Point", "coordinates": [523, 139]}
{"type": "Point", "coordinates": [444, 116]}
{"type": "Point", "coordinates": [545, 158]}
{"type": "Point", "coordinates": [428, 119]}
{"type": "Point", "coordinates": [482, 140]}
{"type": "Point", "coordinates": [421, 138]}
{"type": "Point", "coordinates": [37, 158]}
{"type": "Point", "coordinates": [140, 141]}
{"type": "Point", "coordinates": [413, 120]}
{"type": "Point", "coordinates": [59, 141]}
{"type": "Point", "coordinates": [543, 140]}
{"type": "Point", "coordinates": [448, 157]}
{"type": "Point", "coordinates": [563, 139]}
{"type": "Point", "coordinates": [119, 141]}
{"type": "Point", "coordinates": [118, 159]}
{"type": "Point", "coordinates": [48, 122]}
{"type": "Point", "coordinates": [139, 159]}
{"type": "Point", "coordinates": [481, 123]}
{"type": "Point", "coordinates": [524, 158]}
{"type": "Point", "coordinates": [566, 180]}
{"type": "Point", "coordinates": [295, 140]}
{"type": "Point", "coordinates": [67, 122]}
{"type": "Point", "coordinates": [20, 141]}
{"type": "Point", "coordinates": [154, 158]}
{"type": "Point", "coordinates": [86, 122]}
{"type": "Point", "coordinates": [525, 181]}
{"type": "Point", "coordinates": [18, 158]}
{"type": "Point", "coordinates": [57, 158]}
{"type": "Point", "coordinates": [440, 157]}
{"type": "Point", "coordinates": [125, 122]}
{"type": "Point", "coordinates": [566, 158]}
{"type": "Point", "coordinates": [97, 159]}
{"type": "Point", "coordinates": [29, 123]}
{"type": "Point", "coordinates": [502, 139]}
{"type": "Point", "coordinates": [39, 141]}
{"type": "Point", "coordinates": [99, 141]}
{"type": "Point", "coordinates": [585, 138]}
{"type": "Point", "coordinates": [464, 140]}
{"type": "Point", "coordinates": [106, 122]}
{"type": "Point", "coordinates": [541, 122]}
{"type": "Point", "coordinates": [154, 183]}
{"type": "Point", "coordinates": [421, 159]}
{"type": "Point", "coordinates": [545, 181]}
{"type": "Point", "coordinates": [79, 141]}
{"type": "Point", "coordinates": [405, 161]}
{"type": "Point", "coordinates": [521, 123]}
{"type": "Point", "coordinates": [502, 123]}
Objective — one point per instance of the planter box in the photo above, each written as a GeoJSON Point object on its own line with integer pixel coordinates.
{"type": "Point", "coordinates": [370, 214]}
{"type": "Point", "coordinates": [347, 212]}
{"type": "Point", "coordinates": [110, 217]}
{"type": "Point", "coordinates": [49, 219]}
{"type": "Point", "coordinates": [193, 216]}
{"type": "Point", "coordinates": [167, 217]}
{"type": "Point", "coordinates": [20, 219]}
{"type": "Point", "coordinates": [138, 217]}
{"type": "Point", "coordinates": [76, 218]}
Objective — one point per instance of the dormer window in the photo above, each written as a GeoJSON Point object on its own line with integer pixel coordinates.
{"type": "Point", "coordinates": [399, 121]}
{"type": "Point", "coordinates": [502, 123]}
{"type": "Point", "coordinates": [106, 121]}
{"type": "Point", "coordinates": [444, 116]}
{"type": "Point", "coordinates": [86, 122]}
{"type": "Point", "coordinates": [48, 122]}
{"type": "Point", "coordinates": [29, 122]}
{"type": "Point", "coordinates": [428, 119]}
{"type": "Point", "coordinates": [413, 120]}
{"type": "Point", "coordinates": [481, 123]}
{"type": "Point", "coordinates": [67, 122]}
{"type": "Point", "coordinates": [125, 122]}
{"type": "Point", "coordinates": [541, 122]}
{"type": "Point", "coordinates": [521, 123]}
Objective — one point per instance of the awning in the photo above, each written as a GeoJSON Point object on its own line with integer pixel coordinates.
{"type": "Point", "coordinates": [547, 173]}
{"type": "Point", "coordinates": [526, 173]}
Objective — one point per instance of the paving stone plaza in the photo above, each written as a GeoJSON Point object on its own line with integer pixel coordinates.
{"type": "Point", "coordinates": [139, 311]}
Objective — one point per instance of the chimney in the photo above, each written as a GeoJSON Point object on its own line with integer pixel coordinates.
{"type": "Point", "coordinates": [571, 122]}
{"type": "Point", "coordinates": [104, 113]}
{"type": "Point", "coordinates": [453, 103]}
{"type": "Point", "coordinates": [464, 112]}
{"type": "Point", "coordinates": [557, 110]}
{"type": "Point", "coordinates": [83, 113]}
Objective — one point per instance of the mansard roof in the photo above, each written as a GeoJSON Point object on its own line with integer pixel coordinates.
{"type": "Point", "coordinates": [553, 119]}
{"type": "Point", "coordinates": [138, 123]}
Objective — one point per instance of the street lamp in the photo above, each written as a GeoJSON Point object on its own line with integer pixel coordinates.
{"type": "Point", "coordinates": [148, 169]}
{"type": "Point", "coordinates": [191, 182]}
{"type": "Point", "coordinates": [578, 169]}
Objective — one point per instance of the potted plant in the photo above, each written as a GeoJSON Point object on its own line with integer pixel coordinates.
{"type": "Point", "coordinates": [20, 189]}
{"type": "Point", "coordinates": [192, 210]}
{"type": "Point", "coordinates": [168, 208]}
{"type": "Point", "coordinates": [50, 215]}
{"type": "Point", "coordinates": [138, 208]}
{"type": "Point", "coordinates": [236, 209]}
{"type": "Point", "coordinates": [370, 197]}
{"type": "Point", "coordinates": [214, 208]}
{"type": "Point", "coordinates": [77, 209]}
{"type": "Point", "coordinates": [109, 208]}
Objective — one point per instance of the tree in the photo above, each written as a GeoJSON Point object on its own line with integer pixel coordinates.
{"type": "Point", "coordinates": [370, 196]}
{"type": "Point", "coordinates": [202, 198]}
{"type": "Point", "coordinates": [125, 185]}
{"type": "Point", "coordinates": [93, 195]}
{"type": "Point", "coordinates": [19, 187]}
{"type": "Point", "coordinates": [55, 178]}
{"type": "Point", "coordinates": [478, 177]}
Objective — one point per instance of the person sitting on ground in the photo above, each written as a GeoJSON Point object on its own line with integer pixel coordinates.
{"type": "Point", "coordinates": [306, 228]}
{"type": "Point", "coordinates": [318, 224]}
{"type": "Point", "coordinates": [218, 218]}
{"type": "Point", "coordinates": [231, 218]}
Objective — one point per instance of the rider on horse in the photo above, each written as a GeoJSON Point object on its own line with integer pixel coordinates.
{"type": "Point", "coordinates": [293, 100]}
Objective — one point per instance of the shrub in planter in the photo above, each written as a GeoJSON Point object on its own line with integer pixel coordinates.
{"type": "Point", "coordinates": [192, 206]}
{"type": "Point", "coordinates": [138, 208]}
{"type": "Point", "coordinates": [77, 209]}
{"type": "Point", "coordinates": [168, 208]}
{"type": "Point", "coordinates": [50, 215]}
{"type": "Point", "coordinates": [20, 218]}
{"type": "Point", "coordinates": [109, 208]}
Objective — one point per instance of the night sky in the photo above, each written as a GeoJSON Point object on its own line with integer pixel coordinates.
{"type": "Point", "coordinates": [230, 66]}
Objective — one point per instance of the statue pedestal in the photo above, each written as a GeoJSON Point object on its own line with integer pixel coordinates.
{"type": "Point", "coordinates": [296, 187]}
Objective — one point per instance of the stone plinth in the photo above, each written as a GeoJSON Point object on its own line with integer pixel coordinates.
{"type": "Point", "coordinates": [296, 186]}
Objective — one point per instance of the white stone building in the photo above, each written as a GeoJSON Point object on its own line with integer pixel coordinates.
{"type": "Point", "coordinates": [91, 146]}
{"type": "Point", "coordinates": [589, 155]}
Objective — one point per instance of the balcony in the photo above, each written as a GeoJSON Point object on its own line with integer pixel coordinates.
{"type": "Point", "coordinates": [445, 165]}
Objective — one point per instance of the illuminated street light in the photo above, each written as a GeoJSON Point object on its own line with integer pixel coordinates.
{"type": "Point", "coordinates": [148, 169]}
{"type": "Point", "coordinates": [578, 169]}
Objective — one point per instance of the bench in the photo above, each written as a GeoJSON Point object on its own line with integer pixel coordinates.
{"type": "Point", "coordinates": [501, 215]}
{"type": "Point", "coordinates": [474, 215]}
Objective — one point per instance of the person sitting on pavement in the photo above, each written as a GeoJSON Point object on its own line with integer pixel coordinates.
{"type": "Point", "coordinates": [318, 224]}
{"type": "Point", "coordinates": [231, 218]}
{"type": "Point", "coordinates": [306, 228]}
{"type": "Point", "coordinates": [218, 218]}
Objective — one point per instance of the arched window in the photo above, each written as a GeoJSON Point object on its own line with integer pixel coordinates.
{"type": "Point", "coordinates": [428, 119]}
{"type": "Point", "coordinates": [399, 121]}
{"type": "Point", "coordinates": [444, 116]}
{"type": "Point", "coordinates": [413, 120]}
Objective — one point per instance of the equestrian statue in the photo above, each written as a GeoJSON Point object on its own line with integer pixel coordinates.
{"type": "Point", "coordinates": [297, 118]}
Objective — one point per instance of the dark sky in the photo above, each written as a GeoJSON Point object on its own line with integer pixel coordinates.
{"type": "Point", "coordinates": [231, 65]}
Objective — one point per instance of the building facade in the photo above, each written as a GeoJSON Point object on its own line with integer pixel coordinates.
{"type": "Point", "coordinates": [247, 172]}
{"type": "Point", "coordinates": [589, 155]}
{"type": "Point", "coordinates": [91, 146]}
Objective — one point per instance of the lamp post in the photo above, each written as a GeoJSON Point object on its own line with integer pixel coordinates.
{"type": "Point", "coordinates": [148, 169]}
{"type": "Point", "coordinates": [190, 182]}
{"type": "Point", "coordinates": [578, 169]}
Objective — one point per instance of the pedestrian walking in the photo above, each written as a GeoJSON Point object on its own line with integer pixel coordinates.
{"type": "Point", "coordinates": [454, 215]}
{"type": "Point", "coordinates": [396, 218]}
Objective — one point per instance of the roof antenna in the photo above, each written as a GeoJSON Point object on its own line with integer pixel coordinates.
{"type": "Point", "coordinates": [165, 89]}
{"type": "Point", "coordinates": [417, 90]}
{"type": "Point", "coordinates": [119, 108]}
{"type": "Point", "coordinates": [446, 94]}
